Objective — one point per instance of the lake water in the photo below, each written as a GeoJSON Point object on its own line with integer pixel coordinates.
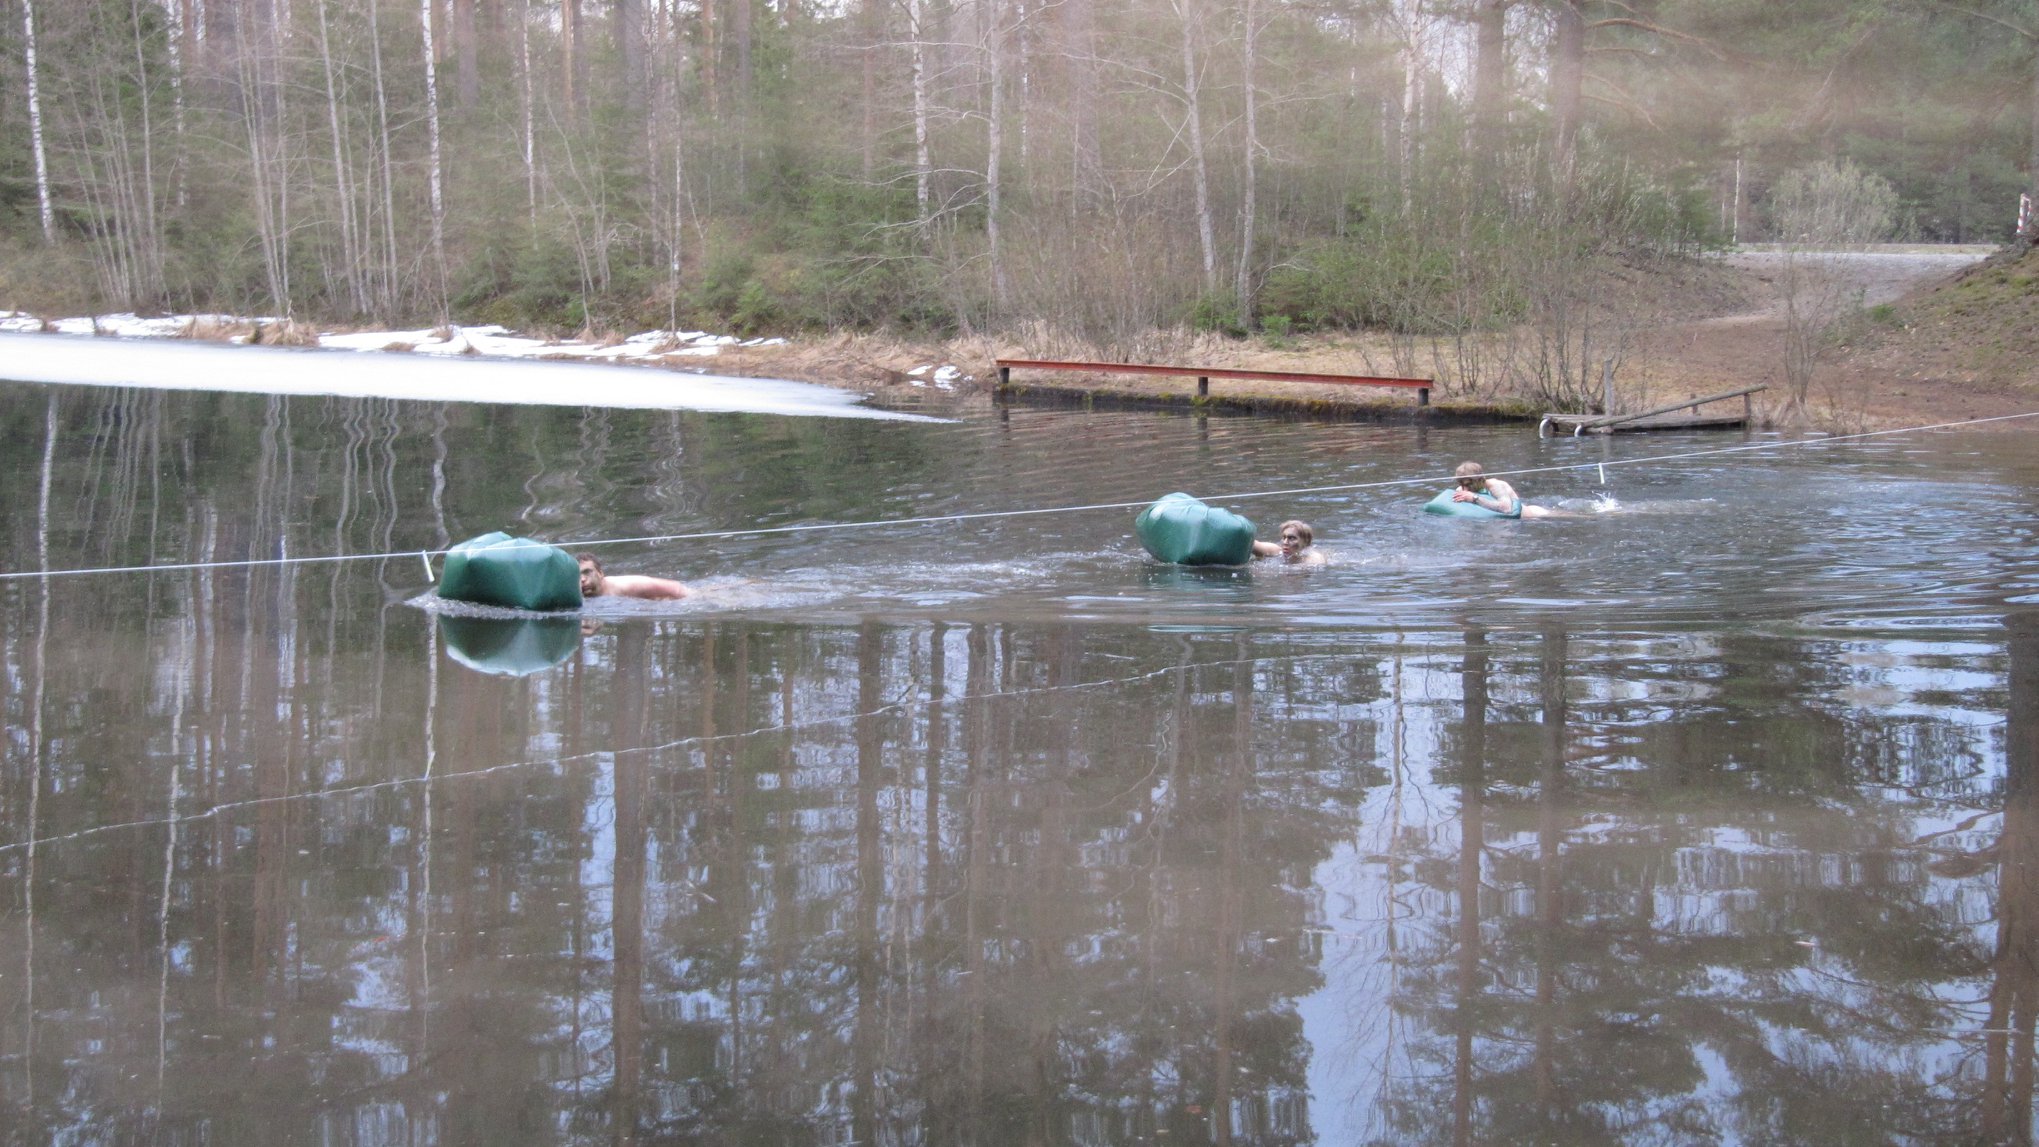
{"type": "Point", "coordinates": [1706, 814]}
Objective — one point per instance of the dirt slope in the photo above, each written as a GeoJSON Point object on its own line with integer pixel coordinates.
{"type": "Point", "coordinates": [1949, 335]}
{"type": "Point", "coordinates": [1934, 345]}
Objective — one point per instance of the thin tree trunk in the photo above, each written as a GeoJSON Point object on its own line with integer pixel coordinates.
{"type": "Point", "coordinates": [1567, 76]}
{"type": "Point", "coordinates": [741, 15]}
{"type": "Point", "coordinates": [1080, 49]}
{"type": "Point", "coordinates": [387, 164]}
{"type": "Point", "coordinates": [571, 61]}
{"type": "Point", "coordinates": [1412, 112]}
{"type": "Point", "coordinates": [1206, 232]}
{"type": "Point", "coordinates": [995, 147]}
{"type": "Point", "coordinates": [149, 241]}
{"type": "Point", "coordinates": [630, 49]}
{"type": "Point", "coordinates": [466, 54]}
{"type": "Point", "coordinates": [530, 124]}
{"type": "Point", "coordinates": [343, 184]}
{"type": "Point", "coordinates": [437, 171]}
{"type": "Point", "coordinates": [1244, 284]}
{"type": "Point", "coordinates": [711, 55]}
{"type": "Point", "coordinates": [679, 201]}
{"type": "Point", "coordinates": [279, 33]}
{"type": "Point", "coordinates": [1490, 25]}
{"type": "Point", "coordinates": [270, 228]}
{"type": "Point", "coordinates": [922, 161]}
{"type": "Point", "coordinates": [178, 30]}
{"type": "Point", "coordinates": [35, 132]}
{"type": "Point", "coordinates": [872, 18]}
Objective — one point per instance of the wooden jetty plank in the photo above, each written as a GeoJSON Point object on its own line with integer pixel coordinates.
{"type": "Point", "coordinates": [1661, 417]}
{"type": "Point", "coordinates": [1204, 374]}
{"type": "Point", "coordinates": [1577, 423]}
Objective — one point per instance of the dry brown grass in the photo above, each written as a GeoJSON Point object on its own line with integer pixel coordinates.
{"type": "Point", "coordinates": [215, 328]}
{"type": "Point", "coordinates": [1698, 328]}
{"type": "Point", "coordinates": [221, 328]}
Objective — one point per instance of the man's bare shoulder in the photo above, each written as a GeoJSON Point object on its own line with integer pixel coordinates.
{"type": "Point", "coordinates": [639, 586]}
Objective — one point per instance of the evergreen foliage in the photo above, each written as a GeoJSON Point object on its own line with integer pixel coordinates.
{"type": "Point", "coordinates": [768, 175]}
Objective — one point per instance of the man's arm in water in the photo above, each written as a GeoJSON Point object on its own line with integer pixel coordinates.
{"type": "Point", "coordinates": [639, 586]}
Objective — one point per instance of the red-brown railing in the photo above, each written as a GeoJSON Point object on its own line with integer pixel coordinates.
{"type": "Point", "coordinates": [1204, 374]}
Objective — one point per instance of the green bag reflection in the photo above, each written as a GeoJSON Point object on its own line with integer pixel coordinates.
{"type": "Point", "coordinates": [516, 573]}
{"type": "Point", "coordinates": [510, 647]}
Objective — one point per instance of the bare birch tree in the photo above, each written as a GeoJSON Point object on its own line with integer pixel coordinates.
{"type": "Point", "coordinates": [1079, 59]}
{"type": "Point", "coordinates": [385, 160]}
{"type": "Point", "coordinates": [35, 132]}
{"type": "Point", "coordinates": [436, 172]}
{"type": "Point", "coordinates": [1412, 26]}
{"type": "Point", "coordinates": [352, 262]}
{"type": "Point", "coordinates": [1248, 207]}
{"type": "Point", "coordinates": [174, 13]}
{"type": "Point", "coordinates": [1193, 124]}
{"type": "Point", "coordinates": [262, 128]}
{"type": "Point", "coordinates": [923, 162]}
{"type": "Point", "coordinates": [530, 134]}
{"type": "Point", "coordinates": [994, 184]}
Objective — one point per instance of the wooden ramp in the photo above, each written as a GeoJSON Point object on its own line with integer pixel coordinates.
{"type": "Point", "coordinates": [1204, 374]}
{"type": "Point", "coordinates": [1660, 418]}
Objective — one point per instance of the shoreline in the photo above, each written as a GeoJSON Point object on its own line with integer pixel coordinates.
{"type": "Point", "coordinates": [1327, 408]}
{"type": "Point", "coordinates": [1698, 334]}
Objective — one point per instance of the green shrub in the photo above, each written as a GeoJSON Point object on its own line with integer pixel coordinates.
{"type": "Point", "coordinates": [1219, 314]}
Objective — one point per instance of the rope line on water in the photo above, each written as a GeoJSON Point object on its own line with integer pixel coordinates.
{"type": "Point", "coordinates": [982, 515]}
{"type": "Point", "coordinates": [428, 778]}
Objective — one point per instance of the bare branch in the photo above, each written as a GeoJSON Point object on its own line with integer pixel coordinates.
{"type": "Point", "coordinates": [1667, 33]}
{"type": "Point", "coordinates": [1987, 18]}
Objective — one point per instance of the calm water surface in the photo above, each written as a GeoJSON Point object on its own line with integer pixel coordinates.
{"type": "Point", "coordinates": [1706, 815]}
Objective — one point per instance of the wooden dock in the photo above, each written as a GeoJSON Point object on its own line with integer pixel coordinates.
{"type": "Point", "coordinates": [1204, 374]}
{"type": "Point", "coordinates": [1658, 418]}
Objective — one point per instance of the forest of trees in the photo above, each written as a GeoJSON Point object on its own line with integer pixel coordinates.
{"type": "Point", "coordinates": [950, 166]}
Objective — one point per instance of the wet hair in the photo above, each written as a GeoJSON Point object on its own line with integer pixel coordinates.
{"type": "Point", "coordinates": [590, 559]}
{"type": "Point", "coordinates": [1302, 530]}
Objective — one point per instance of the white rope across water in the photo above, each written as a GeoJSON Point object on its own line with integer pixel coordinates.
{"type": "Point", "coordinates": [982, 515]}
{"type": "Point", "coordinates": [429, 778]}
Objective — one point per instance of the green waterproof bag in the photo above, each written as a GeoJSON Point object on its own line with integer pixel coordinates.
{"type": "Point", "coordinates": [1180, 529]}
{"type": "Point", "coordinates": [516, 573]}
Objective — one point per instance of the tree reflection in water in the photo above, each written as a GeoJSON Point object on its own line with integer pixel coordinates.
{"type": "Point", "coordinates": [952, 874]}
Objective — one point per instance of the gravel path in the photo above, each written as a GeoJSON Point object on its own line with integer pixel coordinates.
{"type": "Point", "coordinates": [1851, 390]}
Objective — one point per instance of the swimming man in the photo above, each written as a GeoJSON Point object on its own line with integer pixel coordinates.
{"type": "Point", "coordinates": [595, 583]}
{"type": "Point", "coordinates": [1492, 493]}
{"type": "Point", "coordinates": [1296, 539]}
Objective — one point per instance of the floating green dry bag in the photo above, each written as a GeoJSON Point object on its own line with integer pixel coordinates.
{"type": "Point", "coordinates": [517, 573]}
{"type": "Point", "coordinates": [1442, 504]}
{"type": "Point", "coordinates": [1178, 528]}
{"type": "Point", "coordinates": [510, 646]}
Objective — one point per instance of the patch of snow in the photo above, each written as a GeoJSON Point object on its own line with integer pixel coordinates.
{"type": "Point", "coordinates": [197, 365]}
